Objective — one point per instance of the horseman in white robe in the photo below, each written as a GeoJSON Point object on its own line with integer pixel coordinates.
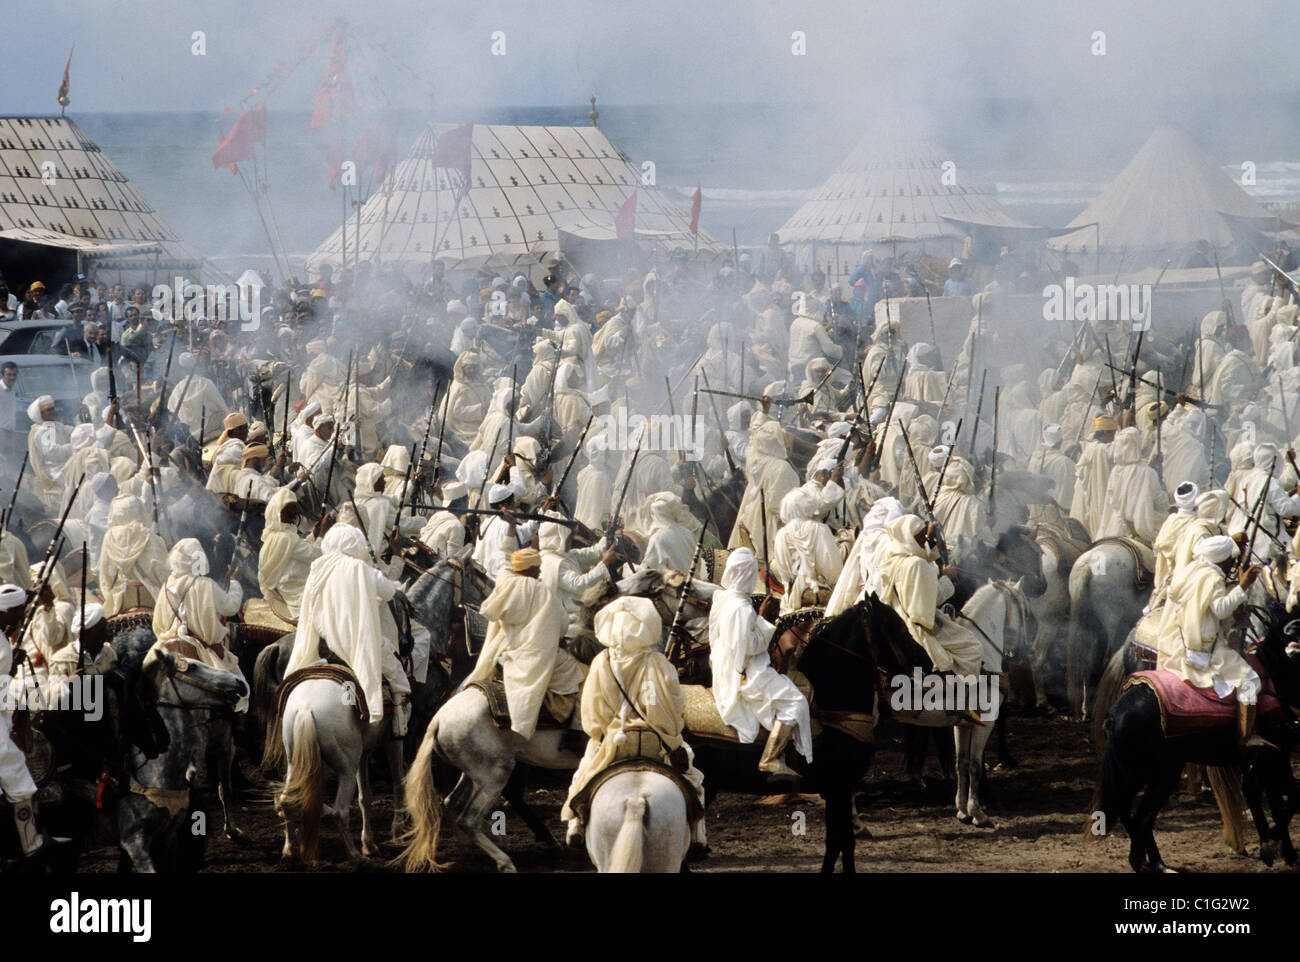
{"type": "Point", "coordinates": [768, 470]}
{"type": "Point", "coordinates": [1166, 541]}
{"type": "Point", "coordinates": [804, 554]}
{"type": "Point", "coordinates": [1279, 504]}
{"type": "Point", "coordinates": [49, 446]}
{"type": "Point", "coordinates": [850, 587]}
{"type": "Point", "coordinates": [571, 572]}
{"type": "Point", "coordinates": [1191, 643]}
{"type": "Point", "coordinates": [960, 510]}
{"type": "Point", "coordinates": [195, 400]}
{"type": "Point", "coordinates": [631, 689]}
{"type": "Point", "coordinates": [905, 576]}
{"type": "Point", "coordinates": [285, 559]}
{"type": "Point", "coordinates": [192, 609]}
{"type": "Point", "coordinates": [595, 483]}
{"type": "Point", "coordinates": [748, 691]}
{"type": "Point", "coordinates": [1049, 462]}
{"type": "Point", "coordinates": [343, 603]}
{"type": "Point", "coordinates": [1183, 447]}
{"type": "Point", "coordinates": [1092, 474]}
{"type": "Point", "coordinates": [924, 382]}
{"type": "Point", "coordinates": [132, 562]}
{"type": "Point", "coordinates": [444, 533]}
{"type": "Point", "coordinates": [15, 780]}
{"type": "Point", "coordinates": [466, 402]}
{"type": "Point", "coordinates": [500, 536]}
{"type": "Point", "coordinates": [525, 624]}
{"type": "Point", "coordinates": [672, 533]}
{"type": "Point", "coordinates": [1136, 504]}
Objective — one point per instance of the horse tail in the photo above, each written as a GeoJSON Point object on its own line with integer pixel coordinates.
{"type": "Point", "coordinates": [629, 845]}
{"type": "Point", "coordinates": [265, 671]}
{"type": "Point", "coordinates": [1108, 689]}
{"type": "Point", "coordinates": [304, 793]}
{"type": "Point", "coordinates": [424, 808]}
{"type": "Point", "coordinates": [1076, 668]}
{"type": "Point", "coordinates": [1226, 783]}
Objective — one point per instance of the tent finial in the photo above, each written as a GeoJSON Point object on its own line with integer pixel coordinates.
{"type": "Point", "coordinates": [595, 114]}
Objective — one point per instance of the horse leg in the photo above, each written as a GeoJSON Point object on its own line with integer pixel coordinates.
{"type": "Point", "coordinates": [914, 745]}
{"type": "Point", "coordinates": [225, 751]}
{"type": "Point", "coordinates": [342, 809]}
{"type": "Point", "coordinates": [838, 826]}
{"type": "Point", "coordinates": [858, 823]}
{"type": "Point", "coordinates": [514, 794]}
{"type": "Point", "coordinates": [1163, 783]}
{"type": "Point", "coordinates": [367, 798]}
{"type": "Point", "coordinates": [962, 735]}
{"type": "Point", "coordinates": [1005, 759]}
{"type": "Point", "coordinates": [945, 752]}
{"type": "Point", "coordinates": [1251, 788]}
{"type": "Point", "coordinates": [978, 739]}
{"type": "Point", "coordinates": [393, 748]}
{"type": "Point", "coordinates": [483, 796]}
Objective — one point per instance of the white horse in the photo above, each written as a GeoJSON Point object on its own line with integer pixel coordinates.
{"type": "Point", "coordinates": [463, 734]}
{"type": "Point", "coordinates": [322, 729]}
{"type": "Point", "coordinates": [996, 612]}
{"type": "Point", "coordinates": [638, 823]}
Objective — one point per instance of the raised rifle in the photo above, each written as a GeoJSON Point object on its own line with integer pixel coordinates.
{"type": "Point", "coordinates": [1092, 399]}
{"type": "Point", "coordinates": [81, 634]}
{"type": "Point", "coordinates": [1133, 372]}
{"type": "Point", "coordinates": [406, 492]}
{"type": "Point", "coordinates": [682, 593]}
{"type": "Point", "coordinates": [559, 486]}
{"type": "Point", "coordinates": [47, 569]}
{"type": "Point", "coordinates": [167, 370]}
{"type": "Point", "coordinates": [203, 426]}
{"type": "Point", "coordinates": [925, 500]}
{"type": "Point", "coordinates": [610, 531]}
{"type": "Point", "coordinates": [514, 395]}
{"type": "Point", "coordinates": [1227, 304]}
{"type": "Point", "coordinates": [979, 408]}
{"type": "Point", "coordinates": [442, 430]}
{"type": "Point", "coordinates": [284, 423]}
{"type": "Point", "coordinates": [993, 471]}
{"type": "Point", "coordinates": [13, 500]}
{"type": "Point", "coordinates": [767, 571]}
{"type": "Point", "coordinates": [722, 425]}
{"type": "Point", "coordinates": [947, 459]}
{"type": "Point", "coordinates": [934, 336]}
{"type": "Point", "coordinates": [361, 523]}
{"type": "Point", "coordinates": [889, 417]}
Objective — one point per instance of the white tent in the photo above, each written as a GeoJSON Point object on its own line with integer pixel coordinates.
{"type": "Point", "coordinates": [527, 188]}
{"type": "Point", "coordinates": [899, 189]}
{"type": "Point", "coordinates": [1170, 196]}
{"type": "Point", "coordinates": [58, 190]}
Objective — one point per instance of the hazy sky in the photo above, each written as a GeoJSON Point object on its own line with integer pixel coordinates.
{"type": "Point", "coordinates": [136, 54]}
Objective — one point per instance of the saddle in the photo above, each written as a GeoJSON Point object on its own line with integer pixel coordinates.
{"type": "Point", "coordinates": [129, 620]}
{"type": "Point", "coordinates": [265, 621]}
{"type": "Point", "coordinates": [1144, 561]}
{"type": "Point", "coordinates": [1068, 541]}
{"type": "Point", "coordinates": [339, 673]}
{"type": "Point", "coordinates": [494, 690]}
{"type": "Point", "coordinates": [1187, 710]}
{"type": "Point", "coordinates": [581, 802]}
{"type": "Point", "coordinates": [702, 717]}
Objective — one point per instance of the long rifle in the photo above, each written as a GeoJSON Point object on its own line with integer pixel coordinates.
{"type": "Point", "coordinates": [13, 500]}
{"type": "Point", "coordinates": [1227, 304]}
{"type": "Point", "coordinates": [979, 408]}
{"type": "Point", "coordinates": [889, 417]}
{"type": "Point", "coordinates": [722, 425]}
{"type": "Point", "coordinates": [683, 591]}
{"type": "Point", "coordinates": [361, 523]}
{"type": "Point", "coordinates": [81, 633]}
{"type": "Point", "coordinates": [1258, 514]}
{"type": "Point", "coordinates": [926, 501]}
{"type": "Point", "coordinates": [514, 395]}
{"type": "Point", "coordinates": [284, 423]}
{"type": "Point", "coordinates": [993, 471]}
{"type": "Point", "coordinates": [442, 430]}
{"type": "Point", "coordinates": [934, 336]}
{"type": "Point", "coordinates": [947, 459]}
{"type": "Point", "coordinates": [167, 370]}
{"type": "Point", "coordinates": [1132, 377]}
{"type": "Point", "coordinates": [767, 569]}
{"type": "Point", "coordinates": [559, 485]}
{"type": "Point", "coordinates": [406, 491]}
{"type": "Point", "coordinates": [47, 569]}
{"type": "Point", "coordinates": [1092, 399]}
{"type": "Point", "coordinates": [610, 531]}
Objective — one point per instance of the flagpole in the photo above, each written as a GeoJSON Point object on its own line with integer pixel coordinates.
{"type": "Point", "coordinates": [275, 260]}
{"type": "Point", "coordinates": [270, 209]}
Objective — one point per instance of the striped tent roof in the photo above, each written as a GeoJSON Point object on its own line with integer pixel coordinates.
{"type": "Point", "coordinates": [57, 189]}
{"type": "Point", "coordinates": [891, 188]}
{"type": "Point", "coordinates": [527, 186]}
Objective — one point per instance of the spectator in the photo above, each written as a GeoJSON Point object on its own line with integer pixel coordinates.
{"type": "Point", "coordinates": [958, 283]}
{"type": "Point", "coordinates": [8, 396]}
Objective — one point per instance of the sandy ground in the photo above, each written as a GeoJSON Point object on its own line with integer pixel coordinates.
{"type": "Point", "coordinates": [1039, 809]}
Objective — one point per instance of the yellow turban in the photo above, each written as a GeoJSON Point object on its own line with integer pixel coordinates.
{"type": "Point", "coordinates": [525, 558]}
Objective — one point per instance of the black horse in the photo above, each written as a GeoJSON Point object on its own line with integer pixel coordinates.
{"type": "Point", "coordinates": [1140, 758]}
{"type": "Point", "coordinates": [841, 666]}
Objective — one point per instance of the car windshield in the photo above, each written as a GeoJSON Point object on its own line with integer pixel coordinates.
{"type": "Point", "coordinates": [52, 379]}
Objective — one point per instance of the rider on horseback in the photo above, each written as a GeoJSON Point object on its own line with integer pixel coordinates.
{"type": "Point", "coordinates": [632, 705]}
{"type": "Point", "coordinates": [1190, 646]}
{"type": "Point", "coordinates": [748, 691]}
{"type": "Point", "coordinates": [15, 780]}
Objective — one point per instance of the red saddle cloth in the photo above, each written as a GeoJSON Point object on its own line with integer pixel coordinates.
{"type": "Point", "coordinates": [1187, 710]}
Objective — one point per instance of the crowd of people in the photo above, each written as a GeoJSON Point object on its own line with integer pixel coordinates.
{"type": "Point", "coordinates": [368, 426]}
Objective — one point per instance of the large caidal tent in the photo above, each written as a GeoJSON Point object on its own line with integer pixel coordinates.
{"type": "Point", "coordinates": [1170, 196]}
{"type": "Point", "coordinates": [64, 207]}
{"type": "Point", "coordinates": [501, 196]}
{"type": "Point", "coordinates": [897, 192]}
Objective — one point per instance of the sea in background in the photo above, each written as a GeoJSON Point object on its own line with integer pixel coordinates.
{"type": "Point", "coordinates": [755, 163]}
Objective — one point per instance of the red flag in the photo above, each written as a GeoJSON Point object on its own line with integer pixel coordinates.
{"type": "Point", "coordinates": [335, 98]}
{"type": "Point", "coordinates": [625, 219]}
{"type": "Point", "coordinates": [63, 87]}
{"type": "Point", "coordinates": [696, 200]}
{"type": "Point", "coordinates": [237, 146]}
{"type": "Point", "coordinates": [454, 148]}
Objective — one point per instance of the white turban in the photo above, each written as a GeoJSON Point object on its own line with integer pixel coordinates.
{"type": "Point", "coordinates": [472, 470]}
{"type": "Point", "coordinates": [454, 491]}
{"type": "Point", "coordinates": [187, 558]}
{"type": "Point", "coordinates": [497, 493]}
{"type": "Point", "coordinates": [1215, 549]}
{"type": "Point", "coordinates": [11, 596]}
{"type": "Point", "coordinates": [456, 307]}
{"type": "Point", "coordinates": [938, 455]}
{"type": "Point", "coordinates": [1185, 496]}
{"type": "Point", "coordinates": [741, 571]}
{"type": "Point", "coordinates": [82, 435]}
{"type": "Point", "coordinates": [879, 414]}
{"type": "Point", "coordinates": [1265, 456]}
{"type": "Point", "coordinates": [94, 615]}
{"type": "Point", "coordinates": [102, 484]}
{"type": "Point", "coordinates": [628, 623]}
{"type": "Point", "coordinates": [1052, 435]}
{"type": "Point", "coordinates": [798, 505]}
{"type": "Point", "coordinates": [825, 464]}
{"type": "Point", "coordinates": [34, 409]}
{"type": "Point", "coordinates": [837, 429]}
{"type": "Point", "coordinates": [185, 360]}
{"type": "Point", "coordinates": [883, 512]}
{"type": "Point", "coordinates": [347, 540]}
{"type": "Point", "coordinates": [310, 411]}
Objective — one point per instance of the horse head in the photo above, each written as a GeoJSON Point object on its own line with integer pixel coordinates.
{"type": "Point", "coordinates": [183, 682]}
{"type": "Point", "coordinates": [1019, 555]}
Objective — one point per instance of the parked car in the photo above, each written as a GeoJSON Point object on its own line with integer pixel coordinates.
{"type": "Point", "coordinates": [66, 379]}
{"type": "Point", "coordinates": [30, 337]}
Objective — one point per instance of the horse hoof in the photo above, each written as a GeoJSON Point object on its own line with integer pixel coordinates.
{"type": "Point", "coordinates": [1268, 853]}
{"type": "Point", "coordinates": [963, 818]}
{"type": "Point", "coordinates": [1164, 869]}
{"type": "Point", "coordinates": [861, 831]}
{"type": "Point", "coordinates": [982, 821]}
{"type": "Point", "coordinates": [697, 852]}
{"type": "Point", "coordinates": [1007, 762]}
{"type": "Point", "coordinates": [508, 869]}
{"type": "Point", "coordinates": [237, 836]}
